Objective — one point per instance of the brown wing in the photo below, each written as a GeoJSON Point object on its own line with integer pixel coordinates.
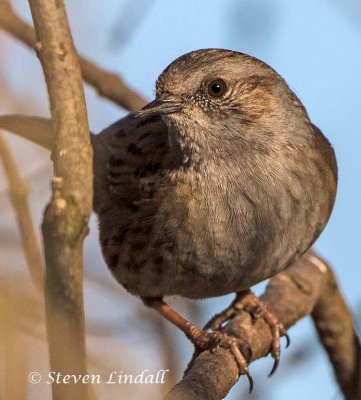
{"type": "Point", "coordinates": [129, 157]}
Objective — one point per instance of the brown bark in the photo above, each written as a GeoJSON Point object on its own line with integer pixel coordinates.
{"type": "Point", "coordinates": [335, 328]}
{"type": "Point", "coordinates": [307, 286]}
{"type": "Point", "coordinates": [65, 219]}
{"type": "Point", "coordinates": [36, 129]}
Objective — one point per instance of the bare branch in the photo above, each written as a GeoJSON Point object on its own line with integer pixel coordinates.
{"type": "Point", "coordinates": [107, 84]}
{"type": "Point", "coordinates": [111, 86]}
{"type": "Point", "coordinates": [36, 129]}
{"type": "Point", "coordinates": [336, 331]}
{"type": "Point", "coordinates": [18, 192]}
{"type": "Point", "coordinates": [292, 295]}
{"type": "Point", "coordinates": [66, 217]}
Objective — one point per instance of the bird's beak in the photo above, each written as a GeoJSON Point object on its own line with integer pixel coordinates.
{"type": "Point", "coordinates": [159, 107]}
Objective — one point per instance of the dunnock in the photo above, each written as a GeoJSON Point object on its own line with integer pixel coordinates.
{"type": "Point", "coordinates": [219, 183]}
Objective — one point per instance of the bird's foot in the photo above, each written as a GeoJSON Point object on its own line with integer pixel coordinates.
{"type": "Point", "coordinates": [249, 302]}
{"type": "Point", "coordinates": [203, 340]}
{"type": "Point", "coordinates": [211, 341]}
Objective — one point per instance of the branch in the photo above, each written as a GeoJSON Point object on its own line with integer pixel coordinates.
{"type": "Point", "coordinates": [18, 192]}
{"type": "Point", "coordinates": [292, 295]}
{"type": "Point", "coordinates": [36, 129]}
{"type": "Point", "coordinates": [107, 84]}
{"type": "Point", "coordinates": [335, 328]}
{"type": "Point", "coordinates": [66, 217]}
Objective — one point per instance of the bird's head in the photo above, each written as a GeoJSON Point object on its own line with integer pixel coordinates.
{"type": "Point", "coordinates": [221, 99]}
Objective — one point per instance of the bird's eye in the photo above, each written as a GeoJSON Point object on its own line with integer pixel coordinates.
{"type": "Point", "coordinates": [217, 88]}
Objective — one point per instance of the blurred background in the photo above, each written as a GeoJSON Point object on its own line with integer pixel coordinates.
{"type": "Point", "coordinates": [315, 46]}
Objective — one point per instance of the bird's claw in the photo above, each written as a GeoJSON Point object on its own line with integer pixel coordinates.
{"type": "Point", "coordinates": [288, 340]}
{"type": "Point", "coordinates": [211, 341]}
{"type": "Point", "coordinates": [275, 365]}
{"type": "Point", "coordinates": [276, 357]}
{"type": "Point", "coordinates": [250, 382]}
{"type": "Point", "coordinates": [216, 323]}
{"type": "Point", "coordinates": [247, 301]}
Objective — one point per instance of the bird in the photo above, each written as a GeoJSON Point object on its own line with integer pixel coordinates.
{"type": "Point", "coordinates": [219, 183]}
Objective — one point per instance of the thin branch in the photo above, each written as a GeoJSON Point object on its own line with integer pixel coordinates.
{"type": "Point", "coordinates": [65, 222]}
{"type": "Point", "coordinates": [36, 129]}
{"type": "Point", "coordinates": [111, 86]}
{"type": "Point", "coordinates": [107, 84]}
{"type": "Point", "coordinates": [18, 192]}
{"type": "Point", "coordinates": [292, 295]}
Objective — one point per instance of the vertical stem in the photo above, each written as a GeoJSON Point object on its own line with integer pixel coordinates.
{"type": "Point", "coordinates": [66, 216]}
{"type": "Point", "coordinates": [18, 192]}
{"type": "Point", "coordinates": [64, 292]}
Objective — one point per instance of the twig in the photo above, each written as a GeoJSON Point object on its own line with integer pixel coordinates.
{"type": "Point", "coordinates": [107, 84]}
{"type": "Point", "coordinates": [36, 129]}
{"type": "Point", "coordinates": [111, 86]}
{"type": "Point", "coordinates": [292, 295]}
{"type": "Point", "coordinates": [66, 217]}
{"type": "Point", "coordinates": [18, 192]}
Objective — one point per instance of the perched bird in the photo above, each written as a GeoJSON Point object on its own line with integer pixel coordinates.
{"type": "Point", "coordinates": [218, 184]}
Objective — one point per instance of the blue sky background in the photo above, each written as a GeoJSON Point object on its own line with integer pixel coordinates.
{"type": "Point", "coordinates": [314, 45]}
